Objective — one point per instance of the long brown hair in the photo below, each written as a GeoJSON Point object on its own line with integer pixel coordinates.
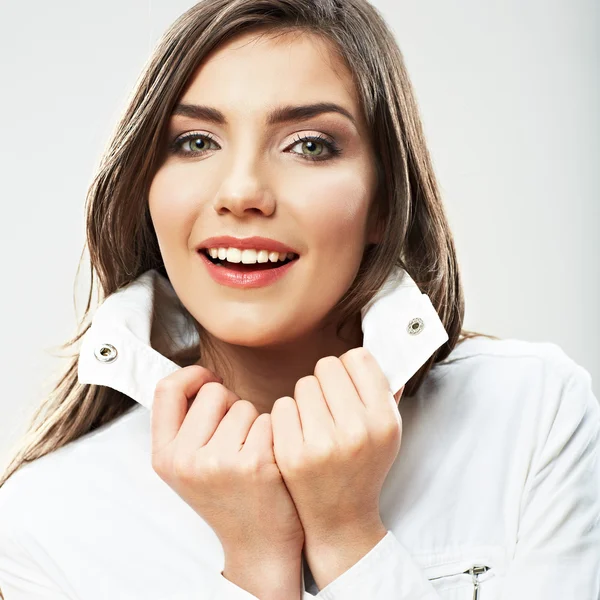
{"type": "Point", "coordinates": [120, 237]}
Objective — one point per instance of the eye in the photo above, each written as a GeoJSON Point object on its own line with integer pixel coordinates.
{"type": "Point", "coordinates": [192, 143]}
{"type": "Point", "coordinates": [316, 147]}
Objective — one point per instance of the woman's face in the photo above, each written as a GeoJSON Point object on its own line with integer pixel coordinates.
{"type": "Point", "coordinates": [244, 175]}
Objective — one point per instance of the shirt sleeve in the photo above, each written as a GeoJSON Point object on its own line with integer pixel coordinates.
{"type": "Point", "coordinates": [386, 572]}
{"type": "Point", "coordinates": [558, 550]}
{"type": "Point", "coordinates": [557, 555]}
{"type": "Point", "coordinates": [22, 579]}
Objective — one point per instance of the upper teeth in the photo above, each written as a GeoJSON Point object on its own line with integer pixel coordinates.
{"type": "Point", "coordinates": [248, 256]}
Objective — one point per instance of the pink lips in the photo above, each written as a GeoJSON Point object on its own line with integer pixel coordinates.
{"type": "Point", "coordinates": [246, 279]}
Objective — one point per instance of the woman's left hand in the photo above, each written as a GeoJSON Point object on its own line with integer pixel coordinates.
{"type": "Point", "coordinates": [335, 442]}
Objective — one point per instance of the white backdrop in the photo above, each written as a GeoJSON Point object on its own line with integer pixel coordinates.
{"type": "Point", "coordinates": [509, 92]}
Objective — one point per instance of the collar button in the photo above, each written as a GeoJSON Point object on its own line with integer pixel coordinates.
{"type": "Point", "coordinates": [106, 353]}
{"type": "Point", "coordinates": [415, 326]}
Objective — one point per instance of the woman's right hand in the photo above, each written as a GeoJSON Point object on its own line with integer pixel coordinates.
{"type": "Point", "coordinates": [216, 452]}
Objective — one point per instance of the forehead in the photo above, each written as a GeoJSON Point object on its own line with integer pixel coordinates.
{"type": "Point", "coordinates": [258, 70]}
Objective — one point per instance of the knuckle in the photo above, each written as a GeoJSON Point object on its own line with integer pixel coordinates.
{"type": "Point", "coordinates": [324, 361]}
{"type": "Point", "coordinates": [294, 465]}
{"type": "Point", "coordinates": [306, 382]}
{"type": "Point", "coordinates": [164, 387]}
{"type": "Point", "coordinates": [280, 403]}
{"type": "Point", "coordinates": [183, 467]}
{"type": "Point", "coordinates": [244, 407]}
{"type": "Point", "coordinates": [251, 467]}
{"type": "Point", "coordinates": [213, 387]}
{"type": "Point", "coordinates": [389, 430]}
{"type": "Point", "coordinates": [320, 454]}
{"type": "Point", "coordinates": [356, 440]}
{"type": "Point", "coordinates": [358, 354]}
{"type": "Point", "coordinates": [214, 393]}
{"type": "Point", "coordinates": [213, 466]}
{"type": "Point", "coordinates": [159, 465]}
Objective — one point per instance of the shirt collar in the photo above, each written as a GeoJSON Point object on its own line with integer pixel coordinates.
{"type": "Point", "coordinates": [124, 349]}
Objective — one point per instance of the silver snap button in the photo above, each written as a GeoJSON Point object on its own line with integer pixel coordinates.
{"type": "Point", "coordinates": [106, 353]}
{"type": "Point", "coordinates": [415, 326]}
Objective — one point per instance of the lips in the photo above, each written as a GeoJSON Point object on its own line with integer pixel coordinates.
{"type": "Point", "coordinates": [246, 276]}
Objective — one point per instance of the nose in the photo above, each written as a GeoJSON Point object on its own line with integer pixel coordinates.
{"type": "Point", "coordinates": [244, 191]}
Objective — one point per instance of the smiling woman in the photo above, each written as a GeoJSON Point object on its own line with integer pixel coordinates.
{"type": "Point", "coordinates": [287, 170]}
{"type": "Point", "coordinates": [276, 398]}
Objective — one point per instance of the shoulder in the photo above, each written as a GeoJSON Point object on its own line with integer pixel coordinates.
{"type": "Point", "coordinates": [515, 351]}
{"type": "Point", "coordinates": [516, 380]}
{"type": "Point", "coordinates": [513, 361]}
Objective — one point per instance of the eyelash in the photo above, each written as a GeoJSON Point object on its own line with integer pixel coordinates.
{"type": "Point", "coordinates": [333, 148]}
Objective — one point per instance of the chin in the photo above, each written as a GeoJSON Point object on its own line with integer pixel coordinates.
{"type": "Point", "coordinates": [250, 339]}
{"type": "Point", "coordinates": [250, 331]}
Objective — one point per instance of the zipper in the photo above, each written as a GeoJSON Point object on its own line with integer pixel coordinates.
{"type": "Point", "coordinates": [475, 571]}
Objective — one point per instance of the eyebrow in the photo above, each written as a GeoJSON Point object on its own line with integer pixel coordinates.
{"type": "Point", "coordinates": [283, 114]}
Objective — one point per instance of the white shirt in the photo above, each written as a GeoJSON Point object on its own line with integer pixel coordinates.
{"type": "Point", "coordinates": [499, 468]}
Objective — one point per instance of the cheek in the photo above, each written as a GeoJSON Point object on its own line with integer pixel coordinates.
{"type": "Point", "coordinates": [333, 209]}
{"type": "Point", "coordinates": [173, 203]}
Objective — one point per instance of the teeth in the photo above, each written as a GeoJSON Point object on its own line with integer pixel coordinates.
{"type": "Point", "coordinates": [248, 256]}
{"type": "Point", "coordinates": [234, 255]}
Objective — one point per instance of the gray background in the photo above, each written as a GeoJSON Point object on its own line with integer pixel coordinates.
{"type": "Point", "coordinates": [509, 94]}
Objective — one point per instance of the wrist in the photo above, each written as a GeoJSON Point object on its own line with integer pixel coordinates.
{"type": "Point", "coordinates": [265, 576]}
{"type": "Point", "coordinates": [237, 555]}
{"type": "Point", "coordinates": [332, 553]}
{"type": "Point", "coordinates": [365, 528]}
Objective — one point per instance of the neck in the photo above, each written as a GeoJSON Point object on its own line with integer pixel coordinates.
{"type": "Point", "coordinates": [262, 375]}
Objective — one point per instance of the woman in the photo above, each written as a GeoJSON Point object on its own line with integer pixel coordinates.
{"type": "Point", "coordinates": [276, 398]}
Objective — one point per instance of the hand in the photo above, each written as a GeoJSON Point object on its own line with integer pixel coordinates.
{"type": "Point", "coordinates": [335, 442]}
{"type": "Point", "coordinates": [218, 456]}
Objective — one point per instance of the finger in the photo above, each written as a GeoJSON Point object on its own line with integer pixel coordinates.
{"type": "Point", "coordinates": [368, 378]}
{"type": "Point", "coordinates": [316, 419]}
{"type": "Point", "coordinates": [206, 412]}
{"type": "Point", "coordinates": [287, 429]}
{"type": "Point", "coordinates": [171, 400]}
{"type": "Point", "coordinates": [259, 441]}
{"type": "Point", "coordinates": [232, 431]}
{"type": "Point", "coordinates": [341, 396]}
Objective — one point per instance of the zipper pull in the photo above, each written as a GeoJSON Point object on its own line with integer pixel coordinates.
{"type": "Point", "coordinates": [475, 572]}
